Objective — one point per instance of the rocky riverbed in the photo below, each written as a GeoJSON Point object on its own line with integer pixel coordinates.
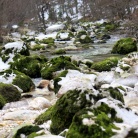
{"type": "Point", "coordinates": [70, 86]}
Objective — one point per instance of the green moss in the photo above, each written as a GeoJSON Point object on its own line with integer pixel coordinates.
{"type": "Point", "coordinates": [4, 57]}
{"type": "Point", "coordinates": [100, 124]}
{"type": "Point", "coordinates": [57, 64]}
{"type": "Point", "coordinates": [9, 92]}
{"type": "Point", "coordinates": [27, 130]}
{"type": "Point", "coordinates": [33, 135]}
{"type": "Point", "coordinates": [59, 51]}
{"type": "Point", "coordinates": [116, 94]}
{"type": "Point", "coordinates": [57, 79]}
{"type": "Point", "coordinates": [29, 65]}
{"type": "Point", "coordinates": [23, 82]}
{"type": "Point", "coordinates": [62, 113]}
{"type": "Point", "coordinates": [110, 27]}
{"type": "Point", "coordinates": [48, 40]}
{"type": "Point", "coordinates": [2, 101]}
{"type": "Point", "coordinates": [44, 116]}
{"type": "Point", "coordinates": [125, 68]}
{"type": "Point", "coordinates": [125, 46]}
{"type": "Point", "coordinates": [106, 64]}
{"type": "Point", "coordinates": [38, 47]}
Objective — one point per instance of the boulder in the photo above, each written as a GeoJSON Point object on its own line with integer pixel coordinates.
{"type": "Point", "coordinates": [56, 64]}
{"type": "Point", "coordinates": [43, 84]}
{"type": "Point", "coordinates": [106, 64]}
{"type": "Point", "coordinates": [29, 65]}
{"type": "Point", "coordinates": [22, 81]}
{"type": "Point", "coordinates": [9, 92]}
{"type": "Point", "coordinates": [125, 46]}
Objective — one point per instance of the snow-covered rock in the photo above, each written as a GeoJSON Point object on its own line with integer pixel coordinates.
{"type": "Point", "coordinates": [76, 80]}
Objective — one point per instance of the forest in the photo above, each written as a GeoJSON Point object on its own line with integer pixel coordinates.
{"type": "Point", "coordinates": [38, 13]}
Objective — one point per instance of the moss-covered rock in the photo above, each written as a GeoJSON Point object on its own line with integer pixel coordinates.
{"type": "Point", "coordinates": [9, 92]}
{"type": "Point", "coordinates": [26, 130]}
{"type": "Point", "coordinates": [85, 39]}
{"type": "Point", "coordinates": [93, 123]}
{"type": "Point", "coordinates": [115, 93]}
{"type": "Point", "coordinates": [59, 52]}
{"type": "Point", "coordinates": [64, 35]}
{"type": "Point", "coordinates": [106, 64]}
{"type": "Point", "coordinates": [49, 40]}
{"type": "Point", "coordinates": [56, 64]}
{"type": "Point", "coordinates": [21, 80]}
{"type": "Point", "coordinates": [38, 47]}
{"type": "Point", "coordinates": [80, 33]}
{"type": "Point", "coordinates": [29, 65]}
{"type": "Point", "coordinates": [10, 50]}
{"type": "Point", "coordinates": [66, 107]}
{"type": "Point", "coordinates": [16, 48]}
{"type": "Point", "coordinates": [125, 46]}
{"type": "Point", "coordinates": [2, 101]}
{"type": "Point", "coordinates": [44, 116]}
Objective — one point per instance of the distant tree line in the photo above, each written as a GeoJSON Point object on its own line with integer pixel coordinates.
{"type": "Point", "coordinates": [21, 11]}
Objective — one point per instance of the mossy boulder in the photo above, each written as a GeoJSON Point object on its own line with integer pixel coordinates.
{"type": "Point", "coordinates": [21, 80]}
{"type": "Point", "coordinates": [56, 64]}
{"type": "Point", "coordinates": [9, 92]}
{"type": "Point", "coordinates": [10, 50]}
{"type": "Point", "coordinates": [16, 48]}
{"type": "Point", "coordinates": [106, 64]}
{"type": "Point", "coordinates": [44, 116]}
{"type": "Point", "coordinates": [49, 40]}
{"type": "Point", "coordinates": [38, 47]}
{"type": "Point", "coordinates": [66, 107]}
{"type": "Point", "coordinates": [85, 39]}
{"type": "Point", "coordinates": [59, 52]}
{"type": "Point", "coordinates": [125, 46]}
{"type": "Point", "coordinates": [64, 35]}
{"type": "Point", "coordinates": [93, 123]}
{"type": "Point", "coordinates": [29, 65]}
{"type": "Point", "coordinates": [27, 130]}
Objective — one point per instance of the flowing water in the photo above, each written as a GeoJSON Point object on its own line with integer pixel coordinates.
{"type": "Point", "coordinates": [94, 52]}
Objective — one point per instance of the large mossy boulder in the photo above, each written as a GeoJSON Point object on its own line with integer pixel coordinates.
{"type": "Point", "coordinates": [19, 79]}
{"type": "Point", "coordinates": [29, 65]}
{"type": "Point", "coordinates": [9, 92]}
{"type": "Point", "coordinates": [95, 123]}
{"type": "Point", "coordinates": [125, 46]}
{"type": "Point", "coordinates": [61, 114]}
{"type": "Point", "coordinates": [106, 64]}
{"type": "Point", "coordinates": [56, 64]}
